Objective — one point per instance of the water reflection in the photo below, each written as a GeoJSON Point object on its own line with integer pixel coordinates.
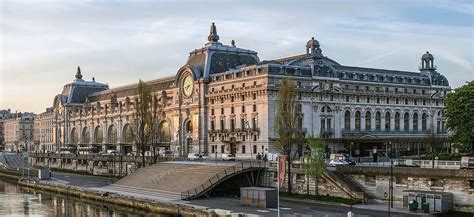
{"type": "Point", "coordinates": [19, 201]}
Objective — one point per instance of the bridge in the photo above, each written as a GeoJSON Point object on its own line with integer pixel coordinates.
{"type": "Point", "coordinates": [186, 180]}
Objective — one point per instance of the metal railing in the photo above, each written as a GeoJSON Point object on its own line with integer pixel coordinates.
{"type": "Point", "coordinates": [220, 176]}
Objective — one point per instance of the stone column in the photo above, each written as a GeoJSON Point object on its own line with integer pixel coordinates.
{"type": "Point", "coordinates": [372, 120]}
{"type": "Point", "coordinates": [410, 122]}
{"type": "Point", "coordinates": [362, 122]}
{"type": "Point", "coordinates": [392, 122]}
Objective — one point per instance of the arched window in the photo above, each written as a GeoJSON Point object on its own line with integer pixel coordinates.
{"type": "Point", "coordinates": [406, 121]}
{"type": "Point", "coordinates": [98, 135]}
{"type": "Point", "coordinates": [357, 120]}
{"type": "Point", "coordinates": [165, 134]}
{"type": "Point", "coordinates": [378, 121]}
{"type": "Point", "coordinates": [189, 126]}
{"type": "Point", "coordinates": [127, 134]}
{"type": "Point", "coordinates": [74, 136]}
{"type": "Point", "coordinates": [387, 121]}
{"type": "Point", "coordinates": [415, 121]}
{"type": "Point", "coordinates": [347, 120]}
{"type": "Point", "coordinates": [86, 136]}
{"type": "Point", "coordinates": [112, 134]}
{"type": "Point", "coordinates": [397, 121]}
{"type": "Point", "coordinates": [423, 121]}
{"type": "Point", "coordinates": [368, 119]}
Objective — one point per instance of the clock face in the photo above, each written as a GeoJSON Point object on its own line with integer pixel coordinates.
{"type": "Point", "coordinates": [188, 86]}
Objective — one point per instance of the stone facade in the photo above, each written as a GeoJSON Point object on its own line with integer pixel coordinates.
{"type": "Point", "coordinates": [19, 133]}
{"type": "Point", "coordinates": [375, 181]}
{"type": "Point", "coordinates": [223, 101]}
{"type": "Point", "coordinates": [44, 138]}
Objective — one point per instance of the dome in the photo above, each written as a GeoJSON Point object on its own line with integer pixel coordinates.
{"type": "Point", "coordinates": [427, 55]}
{"type": "Point", "coordinates": [312, 43]}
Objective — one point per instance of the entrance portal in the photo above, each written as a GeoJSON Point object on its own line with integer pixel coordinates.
{"type": "Point", "coordinates": [189, 145]}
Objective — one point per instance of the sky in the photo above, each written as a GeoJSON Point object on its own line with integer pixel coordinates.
{"type": "Point", "coordinates": [119, 42]}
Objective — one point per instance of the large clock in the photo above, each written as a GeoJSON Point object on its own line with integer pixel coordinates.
{"type": "Point", "coordinates": [188, 86]}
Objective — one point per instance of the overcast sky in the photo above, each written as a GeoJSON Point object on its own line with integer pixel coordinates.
{"type": "Point", "coordinates": [117, 42]}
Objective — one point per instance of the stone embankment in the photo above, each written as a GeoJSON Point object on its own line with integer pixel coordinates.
{"type": "Point", "coordinates": [159, 207]}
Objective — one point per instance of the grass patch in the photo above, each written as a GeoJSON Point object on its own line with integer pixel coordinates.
{"type": "Point", "coordinates": [325, 198]}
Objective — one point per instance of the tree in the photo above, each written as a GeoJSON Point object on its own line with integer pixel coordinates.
{"type": "Point", "coordinates": [314, 161]}
{"type": "Point", "coordinates": [459, 112]}
{"type": "Point", "coordinates": [288, 127]}
{"type": "Point", "coordinates": [156, 117]}
{"type": "Point", "coordinates": [142, 117]}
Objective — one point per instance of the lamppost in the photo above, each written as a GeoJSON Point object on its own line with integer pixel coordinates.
{"type": "Point", "coordinates": [391, 178]}
{"type": "Point", "coordinates": [249, 135]}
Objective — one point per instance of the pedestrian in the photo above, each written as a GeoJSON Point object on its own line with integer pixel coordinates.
{"type": "Point", "coordinates": [265, 158]}
{"type": "Point", "coordinates": [259, 157]}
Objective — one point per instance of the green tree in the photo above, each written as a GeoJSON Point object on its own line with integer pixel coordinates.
{"type": "Point", "coordinates": [314, 161]}
{"type": "Point", "coordinates": [288, 122]}
{"type": "Point", "coordinates": [459, 112]}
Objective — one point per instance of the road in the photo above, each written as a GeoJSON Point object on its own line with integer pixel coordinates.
{"type": "Point", "coordinates": [293, 208]}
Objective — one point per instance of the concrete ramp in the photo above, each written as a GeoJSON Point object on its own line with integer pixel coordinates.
{"type": "Point", "coordinates": [178, 180]}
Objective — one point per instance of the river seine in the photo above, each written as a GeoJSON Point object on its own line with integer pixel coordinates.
{"type": "Point", "coordinates": [20, 201]}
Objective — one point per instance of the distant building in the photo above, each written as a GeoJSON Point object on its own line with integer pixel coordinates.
{"type": "Point", "coordinates": [4, 114]}
{"type": "Point", "coordinates": [19, 132]}
{"type": "Point", "coordinates": [223, 100]}
{"type": "Point", "coordinates": [44, 136]}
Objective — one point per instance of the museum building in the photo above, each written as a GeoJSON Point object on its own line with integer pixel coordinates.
{"type": "Point", "coordinates": [223, 100]}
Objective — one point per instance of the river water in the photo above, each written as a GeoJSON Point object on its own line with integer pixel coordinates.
{"type": "Point", "coordinates": [20, 201]}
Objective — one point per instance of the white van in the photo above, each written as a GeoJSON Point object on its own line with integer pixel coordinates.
{"type": "Point", "coordinates": [112, 152]}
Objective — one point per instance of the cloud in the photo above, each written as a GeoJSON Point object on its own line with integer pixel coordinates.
{"type": "Point", "coordinates": [119, 42]}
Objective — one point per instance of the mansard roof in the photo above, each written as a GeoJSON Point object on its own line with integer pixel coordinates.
{"type": "Point", "coordinates": [77, 91]}
{"type": "Point", "coordinates": [130, 90]}
{"type": "Point", "coordinates": [216, 57]}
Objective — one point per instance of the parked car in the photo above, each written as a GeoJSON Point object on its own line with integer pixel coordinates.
{"type": "Point", "coordinates": [228, 157]}
{"type": "Point", "coordinates": [194, 156]}
{"type": "Point", "coordinates": [112, 152]}
{"type": "Point", "coordinates": [333, 163]}
{"type": "Point", "coordinates": [165, 152]}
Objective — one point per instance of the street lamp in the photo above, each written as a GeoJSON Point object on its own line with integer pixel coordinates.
{"type": "Point", "coordinates": [249, 135]}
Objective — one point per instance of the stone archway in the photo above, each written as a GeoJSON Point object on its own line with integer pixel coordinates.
{"type": "Point", "coordinates": [188, 131]}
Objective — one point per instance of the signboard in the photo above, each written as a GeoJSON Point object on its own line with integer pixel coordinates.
{"type": "Point", "coordinates": [281, 170]}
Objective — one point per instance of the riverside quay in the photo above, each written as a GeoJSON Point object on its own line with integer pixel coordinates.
{"type": "Point", "coordinates": [222, 100]}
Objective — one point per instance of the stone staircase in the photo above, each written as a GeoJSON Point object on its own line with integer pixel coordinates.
{"type": "Point", "coordinates": [347, 185]}
{"type": "Point", "coordinates": [164, 195]}
{"type": "Point", "coordinates": [167, 179]}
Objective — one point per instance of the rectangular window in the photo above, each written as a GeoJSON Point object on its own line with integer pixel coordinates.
{"type": "Point", "coordinates": [368, 99]}
{"type": "Point", "coordinates": [378, 100]}
{"type": "Point", "coordinates": [254, 83]}
{"type": "Point", "coordinates": [213, 125]}
{"type": "Point", "coordinates": [232, 110]}
{"type": "Point", "coordinates": [242, 98]}
{"type": "Point", "coordinates": [347, 98]}
{"type": "Point", "coordinates": [243, 149]}
{"type": "Point", "coordinates": [254, 96]}
{"type": "Point", "coordinates": [357, 99]}
{"type": "Point", "coordinates": [243, 109]}
{"type": "Point", "coordinates": [388, 101]}
{"type": "Point", "coordinates": [242, 124]}
{"type": "Point", "coordinates": [254, 108]}
{"type": "Point", "coordinates": [255, 149]}
{"type": "Point", "coordinates": [423, 91]}
{"type": "Point", "coordinates": [243, 84]}
{"type": "Point", "coordinates": [471, 184]}
{"type": "Point", "coordinates": [254, 138]}
{"type": "Point", "coordinates": [212, 111]}
{"type": "Point", "coordinates": [254, 122]}
{"type": "Point", "coordinates": [396, 90]}
{"type": "Point", "coordinates": [222, 124]}
{"type": "Point", "coordinates": [212, 149]}
{"type": "Point", "coordinates": [232, 98]}
{"type": "Point", "coordinates": [222, 149]}
{"type": "Point", "coordinates": [222, 111]}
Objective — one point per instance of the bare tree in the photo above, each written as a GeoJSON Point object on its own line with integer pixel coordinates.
{"type": "Point", "coordinates": [157, 117]}
{"type": "Point", "coordinates": [288, 127]}
{"type": "Point", "coordinates": [142, 117]}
